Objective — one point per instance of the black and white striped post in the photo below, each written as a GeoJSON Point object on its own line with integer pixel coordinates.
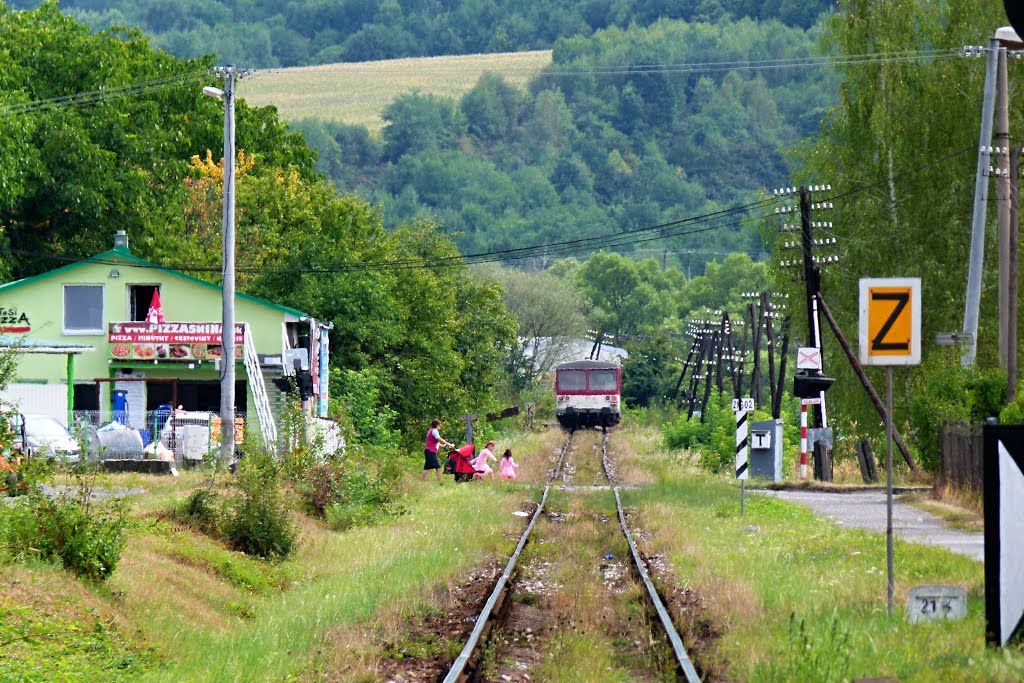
{"type": "Point", "coordinates": [740, 407]}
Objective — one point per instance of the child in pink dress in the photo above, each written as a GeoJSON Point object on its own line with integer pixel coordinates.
{"type": "Point", "coordinates": [509, 469]}
{"type": "Point", "coordinates": [480, 462]}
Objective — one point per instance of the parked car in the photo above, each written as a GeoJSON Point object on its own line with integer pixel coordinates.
{"type": "Point", "coordinates": [48, 437]}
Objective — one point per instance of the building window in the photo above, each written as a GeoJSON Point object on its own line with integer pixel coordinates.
{"type": "Point", "coordinates": [83, 309]}
{"type": "Point", "coordinates": [139, 299]}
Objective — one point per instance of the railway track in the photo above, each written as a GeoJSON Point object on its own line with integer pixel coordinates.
{"type": "Point", "coordinates": [466, 666]}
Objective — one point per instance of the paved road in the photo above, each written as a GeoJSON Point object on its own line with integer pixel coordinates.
{"type": "Point", "coordinates": [866, 510]}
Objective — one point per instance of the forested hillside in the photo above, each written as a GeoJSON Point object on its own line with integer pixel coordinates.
{"type": "Point", "coordinates": [626, 130]}
{"type": "Point", "coordinates": [135, 155]}
{"type": "Point", "coordinates": [263, 34]}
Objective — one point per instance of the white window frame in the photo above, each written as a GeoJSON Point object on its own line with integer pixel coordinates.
{"type": "Point", "coordinates": [63, 310]}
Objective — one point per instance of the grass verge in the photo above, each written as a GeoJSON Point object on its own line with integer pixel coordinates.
{"type": "Point", "coordinates": [799, 598]}
{"type": "Point", "coordinates": [182, 607]}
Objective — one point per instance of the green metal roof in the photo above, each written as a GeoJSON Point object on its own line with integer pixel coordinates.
{"type": "Point", "coordinates": [123, 254]}
{"type": "Point", "coordinates": [10, 342]}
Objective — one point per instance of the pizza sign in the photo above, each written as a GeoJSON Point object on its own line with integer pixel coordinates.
{"type": "Point", "coordinates": [13, 321]}
{"type": "Point", "coordinates": [168, 341]}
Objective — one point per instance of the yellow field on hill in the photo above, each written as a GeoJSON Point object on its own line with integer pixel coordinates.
{"type": "Point", "coordinates": [358, 92]}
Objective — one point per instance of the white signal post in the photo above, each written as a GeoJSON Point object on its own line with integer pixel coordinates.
{"type": "Point", "coordinates": [890, 334]}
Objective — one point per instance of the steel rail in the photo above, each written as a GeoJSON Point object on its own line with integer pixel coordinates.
{"type": "Point", "coordinates": [666, 620]}
{"type": "Point", "coordinates": [459, 665]}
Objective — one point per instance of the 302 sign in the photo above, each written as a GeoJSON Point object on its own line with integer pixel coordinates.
{"type": "Point", "coordinates": [742, 405]}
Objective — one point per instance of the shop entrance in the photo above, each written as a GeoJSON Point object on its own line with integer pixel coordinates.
{"type": "Point", "coordinates": [203, 396]}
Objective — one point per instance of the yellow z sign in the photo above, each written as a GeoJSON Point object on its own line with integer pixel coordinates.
{"type": "Point", "coordinates": [890, 321]}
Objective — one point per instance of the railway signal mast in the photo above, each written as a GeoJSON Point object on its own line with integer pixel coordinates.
{"type": "Point", "coordinates": [810, 384]}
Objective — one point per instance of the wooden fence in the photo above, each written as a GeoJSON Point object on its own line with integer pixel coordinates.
{"type": "Point", "coordinates": [960, 446]}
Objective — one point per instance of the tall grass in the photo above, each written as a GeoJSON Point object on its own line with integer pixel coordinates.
{"type": "Point", "coordinates": [800, 598]}
{"type": "Point", "coordinates": [346, 578]}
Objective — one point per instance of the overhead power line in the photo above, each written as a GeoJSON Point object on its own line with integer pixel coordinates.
{"type": "Point", "coordinates": [733, 217]}
{"type": "Point", "coordinates": [104, 94]}
{"type": "Point", "coordinates": [557, 71]}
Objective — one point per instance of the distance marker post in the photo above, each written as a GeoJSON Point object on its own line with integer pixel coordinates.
{"type": "Point", "coordinates": [741, 407]}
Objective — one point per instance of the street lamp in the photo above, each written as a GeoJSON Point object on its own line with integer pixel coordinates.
{"type": "Point", "coordinates": [227, 355]}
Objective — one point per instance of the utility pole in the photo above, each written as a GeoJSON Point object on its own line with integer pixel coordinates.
{"type": "Point", "coordinates": [812, 276]}
{"type": "Point", "coordinates": [977, 254]}
{"type": "Point", "coordinates": [810, 266]}
{"type": "Point", "coordinates": [1011, 257]}
{"type": "Point", "coordinates": [227, 361]}
{"type": "Point", "coordinates": [755, 339]}
{"type": "Point", "coordinates": [769, 316]}
{"type": "Point", "coordinates": [1002, 144]}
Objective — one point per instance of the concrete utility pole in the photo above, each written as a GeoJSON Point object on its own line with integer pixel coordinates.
{"type": "Point", "coordinates": [227, 362]}
{"type": "Point", "coordinates": [973, 303]}
{"type": "Point", "coordinates": [1011, 257]}
{"type": "Point", "coordinates": [1003, 180]}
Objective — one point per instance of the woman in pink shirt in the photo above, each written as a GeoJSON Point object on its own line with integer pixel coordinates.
{"type": "Point", "coordinates": [480, 462]}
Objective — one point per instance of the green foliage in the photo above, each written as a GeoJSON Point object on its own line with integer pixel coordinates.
{"type": "Point", "coordinates": [876, 138]}
{"type": "Point", "coordinates": [321, 486]}
{"type": "Point", "coordinates": [44, 647]}
{"type": "Point", "coordinates": [256, 521]}
{"type": "Point", "coordinates": [808, 655]}
{"type": "Point", "coordinates": [359, 395]}
{"type": "Point", "coordinates": [714, 436]}
{"type": "Point", "coordinates": [364, 499]}
{"type": "Point", "coordinates": [948, 392]}
{"type": "Point", "coordinates": [202, 510]}
{"type": "Point", "coordinates": [77, 170]}
{"type": "Point", "coordinates": [1013, 413]}
{"type": "Point", "coordinates": [85, 539]}
{"type": "Point", "coordinates": [302, 32]}
{"type": "Point", "coordinates": [651, 372]}
{"type": "Point", "coordinates": [599, 156]}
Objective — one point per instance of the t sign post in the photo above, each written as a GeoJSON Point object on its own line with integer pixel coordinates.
{"type": "Point", "coordinates": [890, 334]}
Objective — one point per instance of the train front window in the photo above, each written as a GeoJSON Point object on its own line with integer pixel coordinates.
{"type": "Point", "coordinates": [572, 380]}
{"type": "Point", "coordinates": [603, 380]}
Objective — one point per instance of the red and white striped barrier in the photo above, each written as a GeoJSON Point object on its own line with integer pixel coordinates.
{"type": "Point", "coordinates": [803, 440]}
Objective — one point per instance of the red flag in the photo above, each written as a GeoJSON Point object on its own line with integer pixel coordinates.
{"type": "Point", "coordinates": [156, 311]}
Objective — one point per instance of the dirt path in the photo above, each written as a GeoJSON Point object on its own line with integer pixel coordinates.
{"type": "Point", "coordinates": [866, 510]}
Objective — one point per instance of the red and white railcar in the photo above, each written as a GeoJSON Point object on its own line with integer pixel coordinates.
{"type": "Point", "coordinates": [587, 394]}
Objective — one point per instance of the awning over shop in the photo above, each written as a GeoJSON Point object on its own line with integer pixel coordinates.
{"type": "Point", "coordinates": [14, 344]}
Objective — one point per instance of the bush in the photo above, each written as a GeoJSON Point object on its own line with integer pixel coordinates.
{"type": "Point", "coordinates": [943, 394]}
{"type": "Point", "coordinates": [1013, 413]}
{"type": "Point", "coordinates": [320, 487]}
{"type": "Point", "coordinates": [714, 438]}
{"type": "Point", "coordinates": [86, 540]}
{"type": "Point", "coordinates": [200, 510]}
{"type": "Point", "coordinates": [364, 498]}
{"type": "Point", "coordinates": [257, 522]}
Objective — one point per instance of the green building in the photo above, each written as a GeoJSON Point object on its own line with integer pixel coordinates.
{"type": "Point", "coordinates": [92, 318]}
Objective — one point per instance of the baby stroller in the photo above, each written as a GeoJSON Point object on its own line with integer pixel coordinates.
{"type": "Point", "coordinates": [459, 463]}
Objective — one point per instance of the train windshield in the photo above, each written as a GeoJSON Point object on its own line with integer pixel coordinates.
{"type": "Point", "coordinates": [603, 380]}
{"type": "Point", "coordinates": [572, 380]}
